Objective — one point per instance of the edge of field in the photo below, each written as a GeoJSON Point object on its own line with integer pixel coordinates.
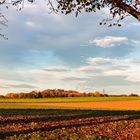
{"type": "Point", "coordinates": [65, 99]}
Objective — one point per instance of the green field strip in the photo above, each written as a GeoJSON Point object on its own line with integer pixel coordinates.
{"type": "Point", "coordinates": [65, 99]}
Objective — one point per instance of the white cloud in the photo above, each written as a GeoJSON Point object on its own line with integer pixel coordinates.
{"type": "Point", "coordinates": [30, 79]}
{"type": "Point", "coordinates": [135, 43]}
{"type": "Point", "coordinates": [133, 75]}
{"type": "Point", "coordinates": [109, 41]}
{"type": "Point", "coordinates": [134, 61]}
{"type": "Point", "coordinates": [100, 60]}
{"type": "Point", "coordinates": [126, 67]}
{"type": "Point", "coordinates": [30, 24]}
{"type": "Point", "coordinates": [115, 73]}
{"type": "Point", "coordinates": [87, 68]}
{"type": "Point", "coordinates": [130, 73]}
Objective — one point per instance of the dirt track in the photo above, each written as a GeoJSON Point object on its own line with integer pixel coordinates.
{"type": "Point", "coordinates": [126, 105]}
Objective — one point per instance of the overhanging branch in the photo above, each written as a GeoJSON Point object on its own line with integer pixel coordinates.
{"type": "Point", "coordinates": [127, 8]}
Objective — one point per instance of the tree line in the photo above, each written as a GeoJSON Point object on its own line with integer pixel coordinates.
{"type": "Point", "coordinates": [54, 93]}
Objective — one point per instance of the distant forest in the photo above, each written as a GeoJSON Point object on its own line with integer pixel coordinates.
{"type": "Point", "coordinates": [53, 93]}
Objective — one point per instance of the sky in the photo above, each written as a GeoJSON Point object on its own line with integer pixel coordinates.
{"type": "Point", "coordinates": [57, 51]}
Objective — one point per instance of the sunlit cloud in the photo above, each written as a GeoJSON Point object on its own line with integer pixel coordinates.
{"type": "Point", "coordinates": [109, 41]}
{"type": "Point", "coordinates": [100, 60]}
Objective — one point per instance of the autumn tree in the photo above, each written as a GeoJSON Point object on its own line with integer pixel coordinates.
{"type": "Point", "coordinates": [11, 95]}
{"type": "Point", "coordinates": [116, 7]}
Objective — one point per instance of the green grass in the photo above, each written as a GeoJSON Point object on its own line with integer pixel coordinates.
{"type": "Point", "coordinates": [66, 99]}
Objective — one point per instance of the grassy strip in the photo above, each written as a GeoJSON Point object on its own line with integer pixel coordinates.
{"type": "Point", "coordinates": [66, 99]}
{"type": "Point", "coordinates": [28, 106]}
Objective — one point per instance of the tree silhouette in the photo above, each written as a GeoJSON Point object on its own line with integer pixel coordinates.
{"type": "Point", "coordinates": [118, 8]}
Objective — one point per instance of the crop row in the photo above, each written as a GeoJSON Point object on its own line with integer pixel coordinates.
{"type": "Point", "coordinates": [70, 125]}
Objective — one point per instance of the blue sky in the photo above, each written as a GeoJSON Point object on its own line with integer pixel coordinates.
{"type": "Point", "coordinates": [57, 51]}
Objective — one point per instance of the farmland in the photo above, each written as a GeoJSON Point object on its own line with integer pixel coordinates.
{"type": "Point", "coordinates": [78, 119]}
{"type": "Point", "coordinates": [125, 103]}
{"type": "Point", "coordinates": [42, 124]}
{"type": "Point", "coordinates": [113, 105]}
{"type": "Point", "coordinates": [65, 99]}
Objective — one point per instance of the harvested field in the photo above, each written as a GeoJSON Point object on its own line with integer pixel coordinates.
{"type": "Point", "coordinates": [118, 105]}
{"type": "Point", "coordinates": [113, 105]}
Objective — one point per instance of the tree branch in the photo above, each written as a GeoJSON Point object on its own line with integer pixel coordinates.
{"type": "Point", "coordinates": [127, 8]}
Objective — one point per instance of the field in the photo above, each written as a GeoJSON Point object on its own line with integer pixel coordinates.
{"type": "Point", "coordinates": [81, 120]}
{"type": "Point", "coordinates": [65, 99]}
